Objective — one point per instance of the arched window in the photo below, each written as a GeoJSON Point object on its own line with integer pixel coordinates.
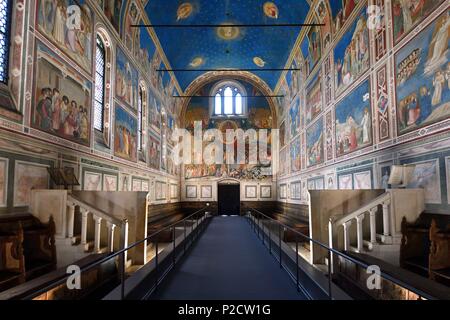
{"type": "Point", "coordinates": [5, 28]}
{"type": "Point", "coordinates": [100, 63]}
{"type": "Point", "coordinates": [229, 99]}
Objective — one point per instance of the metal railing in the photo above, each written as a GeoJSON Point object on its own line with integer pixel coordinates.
{"type": "Point", "coordinates": [199, 218]}
{"type": "Point", "coordinates": [258, 227]}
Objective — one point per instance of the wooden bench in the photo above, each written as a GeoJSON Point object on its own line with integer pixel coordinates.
{"type": "Point", "coordinates": [163, 215]}
{"type": "Point", "coordinates": [12, 261]}
{"type": "Point", "coordinates": [425, 248]}
{"type": "Point", "coordinates": [294, 216]}
{"type": "Point", "coordinates": [95, 283]}
{"type": "Point", "coordinates": [37, 252]}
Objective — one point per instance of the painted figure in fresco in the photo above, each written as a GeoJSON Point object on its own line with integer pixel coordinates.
{"type": "Point", "coordinates": [438, 83]}
{"type": "Point", "coordinates": [439, 45]}
{"type": "Point", "coordinates": [60, 23]}
{"type": "Point", "coordinates": [365, 124]}
{"type": "Point", "coordinates": [56, 110]}
{"type": "Point", "coordinates": [44, 108]}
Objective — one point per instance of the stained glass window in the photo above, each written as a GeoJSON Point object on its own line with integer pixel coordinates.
{"type": "Point", "coordinates": [5, 24]}
{"type": "Point", "coordinates": [99, 85]}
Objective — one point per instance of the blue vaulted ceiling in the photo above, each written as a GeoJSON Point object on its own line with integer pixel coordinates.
{"type": "Point", "coordinates": [203, 48]}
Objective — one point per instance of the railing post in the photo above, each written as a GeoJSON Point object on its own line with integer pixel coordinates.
{"type": "Point", "coordinates": [386, 218]}
{"type": "Point", "coordinates": [359, 232]}
{"type": "Point", "coordinates": [279, 243]}
{"type": "Point", "coordinates": [156, 263]}
{"type": "Point", "coordinates": [111, 227]}
{"type": "Point", "coordinates": [329, 276]}
{"type": "Point", "coordinates": [70, 220]}
{"type": "Point", "coordinates": [97, 235]}
{"type": "Point", "coordinates": [346, 226]}
{"type": "Point", "coordinates": [84, 222]}
{"type": "Point", "coordinates": [373, 225]}
{"type": "Point", "coordinates": [330, 240]}
{"type": "Point", "coordinates": [174, 246]}
{"type": "Point", "coordinates": [296, 262]}
{"type": "Point", "coordinates": [124, 238]}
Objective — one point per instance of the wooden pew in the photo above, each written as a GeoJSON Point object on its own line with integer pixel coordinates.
{"type": "Point", "coordinates": [439, 256]}
{"type": "Point", "coordinates": [12, 261]}
{"type": "Point", "coordinates": [39, 251]}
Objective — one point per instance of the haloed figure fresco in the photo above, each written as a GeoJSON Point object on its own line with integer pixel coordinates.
{"type": "Point", "coordinates": [423, 77]}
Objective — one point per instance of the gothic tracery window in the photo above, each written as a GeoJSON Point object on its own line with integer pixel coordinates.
{"type": "Point", "coordinates": [228, 100]}
{"type": "Point", "coordinates": [99, 85]}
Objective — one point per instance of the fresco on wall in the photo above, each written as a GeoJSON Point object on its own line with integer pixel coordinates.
{"type": "Point", "coordinates": [3, 181]}
{"type": "Point", "coordinates": [324, 18]}
{"type": "Point", "coordinates": [92, 181]}
{"type": "Point", "coordinates": [125, 134]}
{"type": "Point", "coordinates": [423, 77]}
{"type": "Point", "coordinates": [353, 121]}
{"type": "Point", "coordinates": [293, 79]}
{"type": "Point", "coordinates": [363, 180]}
{"type": "Point", "coordinates": [154, 112]}
{"type": "Point", "coordinates": [295, 155]}
{"type": "Point", "coordinates": [351, 54]}
{"type": "Point", "coordinates": [408, 13]}
{"type": "Point", "coordinates": [313, 98]}
{"type": "Point", "coordinates": [314, 143]}
{"type": "Point", "coordinates": [113, 11]}
{"type": "Point", "coordinates": [109, 182]}
{"type": "Point", "coordinates": [283, 164]}
{"type": "Point", "coordinates": [426, 175]}
{"type": "Point", "coordinates": [283, 138]}
{"type": "Point", "coordinates": [294, 117]}
{"type": "Point", "coordinates": [170, 127]}
{"type": "Point", "coordinates": [126, 80]}
{"type": "Point", "coordinates": [131, 34]}
{"type": "Point", "coordinates": [147, 50]}
{"type": "Point", "coordinates": [53, 19]}
{"type": "Point", "coordinates": [62, 101]}
{"type": "Point", "coordinates": [341, 11]}
{"type": "Point", "coordinates": [154, 152]}
{"type": "Point", "coordinates": [28, 176]}
{"type": "Point", "coordinates": [311, 48]}
{"type": "Point", "coordinates": [346, 182]}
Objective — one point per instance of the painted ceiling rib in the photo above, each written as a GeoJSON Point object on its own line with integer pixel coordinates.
{"type": "Point", "coordinates": [185, 26]}
{"type": "Point", "coordinates": [226, 70]}
{"type": "Point", "coordinates": [251, 96]}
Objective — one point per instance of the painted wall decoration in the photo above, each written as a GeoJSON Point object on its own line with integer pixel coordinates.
{"type": "Point", "coordinates": [294, 118]}
{"type": "Point", "coordinates": [109, 182]}
{"type": "Point", "coordinates": [351, 54]}
{"type": "Point", "coordinates": [345, 182]}
{"type": "Point", "coordinates": [28, 176]}
{"type": "Point", "coordinates": [313, 104]}
{"type": "Point", "coordinates": [173, 191]}
{"type": "Point", "coordinates": [283, 165]}
{"type": "Point", "coordinates": [113, 10]}
{"type": "Point", "coordinates": [154, 112]}
{"type": "Point", "coordinates": [316, 183]}
{"type": "Point", "coordinates": [146, 49]}
{"type": "Point", "coordinates": [331, 182]}
{"type": "Point", "coordinates": [250, 192]}
{"type": "Point", "coordinates": [422, 77]}
{"type": "Point", "coordinates": [206, 192]}
{"type": "Point", "coordinates": [92, 181]}
{"type": "Point", "coordinates": [407, 14]}
{"type": "Point", "coordinates": [137, 185]}
{"type": "Point", "coordinates": [341, 11]}
{"type": "Point", "coordinates": [353, 121]}
{"type": "Point", "coordinates": [283, 138]}
{"type": "Point", "coordinates": [62, 100]}
{"type": "Point", "coordinates": [296, 190]}
{"type": "Point", "coordinates": [295, 155]}
{"type": "Point", "coordinates": [125, 132]}
{"type": "Point", "coordinates": [160, 192]}
{"type": "Point", "coordinates": [426, 175]}
{"type": "Point", "coordinates": [53, 19]}
{"type": "Point", "coordinates": [311, 48]}
{"type": "Point", "coordinates": [283, 191]}
{"type": "Point", "coordinates": [154, 152]}
{"type": "Point", "coordinates": [265, 192]}
{"type": "Point", "coordinates": [314, 143]}
{"type": "Point", "coordinates": [324, 17]}
{"type": "Point", "coordinates": [363, 180]}
{"type": "Point", "coordinates": [191, 192]}
{"type": "Point", "coordinates": [125, 180]}
{"type": "Point", "coordinates": [126, 80]}
{"type": "Point", "coordinates": [3, 181]}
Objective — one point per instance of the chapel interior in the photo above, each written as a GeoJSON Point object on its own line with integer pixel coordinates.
{"type": "Point", "coordinates": [224, 150]}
